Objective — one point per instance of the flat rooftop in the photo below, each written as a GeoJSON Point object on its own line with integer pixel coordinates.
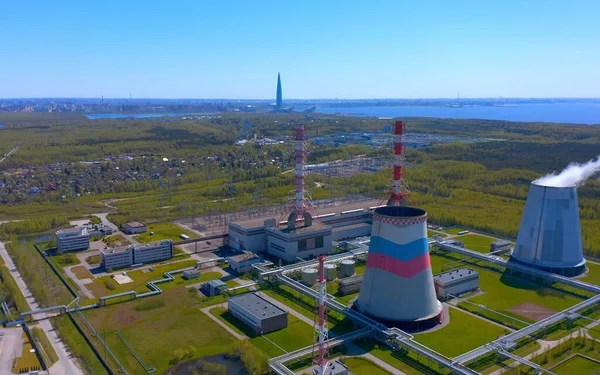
{"type": "Point", "coordinates": [244, 257]}
{"type": "Point", "coordinates": [257, 306]}
{"type": "Point", "coordinates": [337, 210]}
{"type": "Point", "coordinates": [353, 226]}
{"type": "Point", "coordinates": [454, 275]}
{"type": "Point", "coordinates": [70, 230]}
{"type": "Point", "coordinates": [135, 224]}
{"type": "Point", "coordinates": [115, 250]}
{"type": "Point", "coordinates": [315, 225]}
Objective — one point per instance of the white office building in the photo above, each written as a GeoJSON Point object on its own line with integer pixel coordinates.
{"type": "Point", "coordinates": [72, 239]}
{"type": "Point", "coordinates": [153, 252]}
{"type": "Point", "coordinates": [120, 257]}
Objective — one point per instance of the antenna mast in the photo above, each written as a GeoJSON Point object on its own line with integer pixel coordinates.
{"type": "Point", "coordinates": [321, 330]}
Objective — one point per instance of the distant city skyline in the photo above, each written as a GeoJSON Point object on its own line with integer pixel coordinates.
{"type": "Point", "coordinates": [361, 50]}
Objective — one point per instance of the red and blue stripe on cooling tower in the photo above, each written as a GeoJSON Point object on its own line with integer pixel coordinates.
{"type": "Point", "coordinates": [400, 247]}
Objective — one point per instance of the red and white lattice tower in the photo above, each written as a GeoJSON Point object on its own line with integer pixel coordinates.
{"type": "Point", "coordinates": [398, 191]}
{"type": "Point", "coordinates": [299, 206]}
{"type": "Point", "coordinates": [320, 346]}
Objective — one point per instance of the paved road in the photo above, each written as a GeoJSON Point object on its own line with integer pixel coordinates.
{"type": "Point", "coordinates": [10, 348]}
{"type": "Point", "coordinates": [65, 365]}
{"type": "Point", "coordinates": [105, 221]}
{"type": "Point", "coordinates": [10, 153]}
{"type": "Point", "coordinates": [82, 288]}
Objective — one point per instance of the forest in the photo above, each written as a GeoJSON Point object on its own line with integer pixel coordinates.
{"type": "Point", "coordinates": [481, 185]}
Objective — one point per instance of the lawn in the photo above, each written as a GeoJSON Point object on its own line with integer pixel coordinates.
{"type": "Point", "coordinates": [453, 230]}
{"type": "Point", "coordinates": [463, 333]}
{"type": "Point", "coordinates": [65, 260]}
{"type": "Point", "coordinates": [155, 330]}
{"type": "Point", "coordinates": [577, 365]}
{"type": "Point", "coordinates": [82, 273]}
{"type": "Point", "coordinates": [295, 336]}
{"type": "Point", "coordinates": [28, 360]}
{"type": "Point", "coordinates": [408, 363]}
{"type": "Point", "coordinates": [477, 242]}
{"type": "Point", "coordinates": [362, 366]}
{"type": "Point", "coordinates": [431, 233]}
{"type": "Point", "coordinates": [503, 291]}
{"type": "Point", "coordinates": [140, 279]}
{"type": "Point", "coordinates": [163, 231]}
{"type": "Point", "coordinates": [116, 240]}
{"type": "Point", "coordinates": [593, 275]}
{"type": "Point", "coordinates": [94, 259]}
{"type": "Point", "coordinates": [47, 348]}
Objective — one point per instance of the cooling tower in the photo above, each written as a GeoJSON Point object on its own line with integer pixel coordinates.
{"type": "Point", "coordinates": [398, 287]}
{"type": "Point", "coordinates": [550, 235]}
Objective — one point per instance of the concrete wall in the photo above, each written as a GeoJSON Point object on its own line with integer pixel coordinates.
{"type": "Point", "coordinates": [340, 234]}
{"type": "Point", "coordinates": [288, 251]}
{"type": "Point", "coordinates": [274, 323]}
{"type": "Point", "coordinates": [251, 240]}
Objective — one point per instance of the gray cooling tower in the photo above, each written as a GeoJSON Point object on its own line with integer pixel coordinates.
{"type": "Point", "coordinates": [550, 235]}
{"type": "Point", "coordinates": [398, 286]}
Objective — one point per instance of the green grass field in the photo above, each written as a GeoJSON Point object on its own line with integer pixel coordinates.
{"type": "Point", "coordinates": [577, 365]}
{"type": "Point", "coordinates": [94, 259]}
{"type": "Point", "coordinates": [477, 242]}
{"type": "Point", "coordinates": [362, 366]}
{"type": "Point", "coordinates": [593, 275]}
{"type": "Point", "coordinates": [296, 335]}
{"type": "Point", "coordinates": [47, 348]}
{"type": "Point", "coordinates": [163, 231]}
{"type": "Point", "coordinates": [140, 279]}
{"type": "Point", "coordinates": [65, 260]}
{"type": "Point", "coordinates": [27, 361]}
{"type": "Point", "coordinates": [82, 273]}
{"type": "Point", "coordinates": [503, 291]}
{"type": "Point", "coordinates": [463, 333]}
{"type": "Point", "coordinates": [155, 327]}
{"type": "Point", "coordinates": [453, 230]}
{"type": "Point", "coordinates": [431, 233]}
{"type": "Point", "coordinates": [408, 363]}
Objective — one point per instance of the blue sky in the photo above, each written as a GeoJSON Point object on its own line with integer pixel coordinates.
{"type": "Point", "coordinates": [323, 49]}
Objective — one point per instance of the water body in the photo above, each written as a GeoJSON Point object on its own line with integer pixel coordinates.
{"type": "Point", "coordinates": [96, 116]}
{"type": "Point", "coordinates": [575, 113]}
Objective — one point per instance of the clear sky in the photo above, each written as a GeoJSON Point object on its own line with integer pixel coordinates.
{"type": "Point", "coordinates": [323, 49]}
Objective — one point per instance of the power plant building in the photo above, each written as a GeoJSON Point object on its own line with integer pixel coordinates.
{"type": "Point", "coordinates": [258, 313]}
{"type": "Point", "coordinates": [456, 282]}
{"type": "Point", "coordinates": [134, 227]}
{"type": "Point", "coordinates": [242, 263]}
{"type": "Point", "coordinates": [550, 233]}
{"type": "Point", "coordinates": [126, 256]}
{"type": "Point", "coordinates": [262, 235]}
{"type": "Point", "coordinates": [72, 239]}
{"type": "Point", "coordinates": [397, 287]}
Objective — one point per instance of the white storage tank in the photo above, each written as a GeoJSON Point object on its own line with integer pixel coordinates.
{"type": "Point", "coordinates": [309, 276]}
{"type": "Point", "coordinates": [347, 268]}
{"type": "Point", "coordinates": [330, 272]}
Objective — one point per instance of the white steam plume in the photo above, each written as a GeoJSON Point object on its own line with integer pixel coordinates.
{"type": "Point", "coordinates": [574, 174]}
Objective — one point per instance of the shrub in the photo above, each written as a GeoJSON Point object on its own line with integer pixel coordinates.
{"type": "Point", "coordinates": [110, 285]}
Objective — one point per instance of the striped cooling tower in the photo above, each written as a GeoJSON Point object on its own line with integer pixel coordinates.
{"type": "Point", "coordinates": [550, 234]}
{"type": "Point", "coordinates": [398, 287]}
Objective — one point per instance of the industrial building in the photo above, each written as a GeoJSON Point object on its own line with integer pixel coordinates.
{"type": "Point", "coordinates": [500, 246]}
{"type": "Point", "coordinates": [72, 239]}
{"type": "Point", "coordinates": [242, 263]}
{"type": "Point", "coordinates": [126, 256]}
{"type": "Point", "coordinates": [397, 287]}
{"type": "Point", "coordinates": [117, 258]}
{"type": "Point", "coordinates": [99, 230]}
{"type": "Point", "coordinates": [350, 285]}
{"type": "Point", "coordinates": [550, 233]}
{"type": "Point", "coordinates": [261, 235]}
{"type": "Point", "coordinates": [456, 282]}
{"type": "Point", "coordinates": [191, 274]}
{"type": "Point", "coordinates": [213, 287]}
{"type": "Point", "coordinates": [257, 313]}
{"type": "Point", "coordinates": [336, 367]}
{"type": "Point", "coordinates": [134, 227]}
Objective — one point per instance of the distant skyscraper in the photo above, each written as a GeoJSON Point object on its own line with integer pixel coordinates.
{"type": "Point", "coordinates": [279, 100]}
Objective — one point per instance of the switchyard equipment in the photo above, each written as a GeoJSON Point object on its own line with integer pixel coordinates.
{"type": "Point", "coordinates": [398, 287]}
{"type": "Point", "coordinates": [550, 233]}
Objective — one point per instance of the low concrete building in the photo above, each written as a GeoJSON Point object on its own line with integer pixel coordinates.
{"type": "Point", "coordinates": [500, 247]}
{"type": "Point", "coordinates": [300, 242]}
{"type": "Point", "coordinates": [117, 258]}
{"type": "Point", "coordinates": [336, 367]}
{"type": "Point", "coordinates": [153, 251]}
{"type": "Point", "coordinates": [258, 313]}
{"type": "Point", "coordinates": [126, 256]}
{"type": "Point", "coordinates": [213, 287]}
{"type": "Point", "coordinates": [99, 230]}
{"type": "Point", "coordinates": [456, 282]}
{"type": "Point", "coordinates": [243, 263]}
{"type": "Point", "coordinates": [72, 239]}
{"type": "Point", "coordinates": [191, 274]}
{"type": "Point", "coordinates": [350, 285]}
{"type": "Point", "coordinates": [134, 227]}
